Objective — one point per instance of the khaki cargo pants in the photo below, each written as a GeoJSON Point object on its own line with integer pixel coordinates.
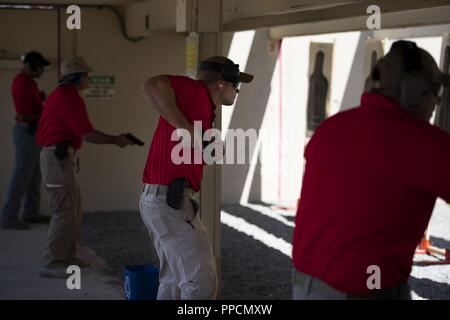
{"type": "Point", "coordinates": [187, 264]}
{"type": "Point", "coordinates": [60, 179]}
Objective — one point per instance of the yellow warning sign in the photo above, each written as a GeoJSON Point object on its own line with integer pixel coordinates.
{"type": "Point", "coordinates": [192, 54]}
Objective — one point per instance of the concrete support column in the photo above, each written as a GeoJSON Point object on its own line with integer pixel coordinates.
{"type": "Point", "coordinates": [205, 18]}
{"type": "Point", "coordinates": [210, 44]}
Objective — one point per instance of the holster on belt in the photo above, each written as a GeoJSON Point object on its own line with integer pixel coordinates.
{"type": "Point", "coordinates": [61, 150]}
{"type": "Point", "coordinates": [175, 193]}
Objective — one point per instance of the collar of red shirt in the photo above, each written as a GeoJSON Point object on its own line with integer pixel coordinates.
{"type": "Point", "coordinates": [379, 101]}
{"type": "Point", "coordinates": [28, 77]}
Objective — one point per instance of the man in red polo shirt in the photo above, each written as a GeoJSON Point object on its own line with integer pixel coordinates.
{"type": "Point", "coordinates": [371, 180]}
{"type": "Point", "coordinates": [26, 178]}
{"type": "Point", "coordinates": [187, 267]}
{"type": "Point", "coordinates": [63, 127]}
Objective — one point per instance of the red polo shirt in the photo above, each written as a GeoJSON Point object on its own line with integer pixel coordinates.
{"type": "Point", "coordinates": [371, 180]}
{"type": "Point", "coordinates": [195, 103]}
{"type": "Point", "coordinates": [26, 96]}
{"type": "Point", "coordinates": [64, 119]}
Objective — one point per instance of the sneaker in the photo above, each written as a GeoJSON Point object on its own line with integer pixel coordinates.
{"type": "Point", "coordinates": [78, 262]}
{"type": "Point", "coordinates": [14, 224]}
{"type": "Point", "coordinates": [37, 219]}
{"type": "Point", "coordinates": [53, 272]}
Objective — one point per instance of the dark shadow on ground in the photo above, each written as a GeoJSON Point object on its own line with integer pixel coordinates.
{"type": "Point", "coordinates": [257, 218]}
{"type": "Point", "coordinates": [120, 239]}
{"type": "Point", "coordinates": [251, 270]}
{"type": "Point", "coordinates": [430, 289]}
{"type": "Point", "coordinates": [439, 242]}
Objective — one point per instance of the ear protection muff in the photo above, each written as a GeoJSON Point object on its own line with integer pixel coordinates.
{"type": "Point", "coordinates": [413, 87]}
{"type": "Point", "coordinates": [228, 71]}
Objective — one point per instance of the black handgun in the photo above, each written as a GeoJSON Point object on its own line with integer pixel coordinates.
{"type": "Point", "coordinates": [135, 140]}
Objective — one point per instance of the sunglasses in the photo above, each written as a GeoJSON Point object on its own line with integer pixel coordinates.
{"type": "Point", "coordinates": [235, 86]}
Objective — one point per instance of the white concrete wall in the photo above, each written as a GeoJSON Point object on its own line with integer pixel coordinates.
{"type": "Point", "coordinates": [282, 165]}
{"type": "Point", "coordinates": [277, 175]}
{"type": "Point", "coordinates": [249, 49]}
{"type": "Point", "coordinates": [110, 177]}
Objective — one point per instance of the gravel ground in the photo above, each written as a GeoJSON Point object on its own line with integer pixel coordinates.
{"type": "Point", "coordinates": [120, 239]}
{"type": "Point", "coordinates": [249, 268]}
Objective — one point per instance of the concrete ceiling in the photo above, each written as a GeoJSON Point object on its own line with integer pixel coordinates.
{"type": "Point", "coordinates": [254, 14]}
{"type": "Point", "coordinates": [279, 6]}
{"type": "Point", "coordinates": [245, 9]}
{"type": "Point", "coordinates": [292, 5]}
{"type": "Point", "coordinates": [68, 2]}
{"type": "Point", "coordinates": [313, 11]}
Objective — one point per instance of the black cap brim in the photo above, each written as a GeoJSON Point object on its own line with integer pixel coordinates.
{"type": "Point", "coordinates": [245, 77]}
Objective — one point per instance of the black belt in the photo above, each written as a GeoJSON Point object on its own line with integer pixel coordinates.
{"type": "Point", "coordinates": [156, 189]}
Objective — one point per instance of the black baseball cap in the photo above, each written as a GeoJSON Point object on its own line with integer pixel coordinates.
{"type": "Point", "coordinates": [35, 57]}
{"type": "Point", "coordinates": [219, 67]}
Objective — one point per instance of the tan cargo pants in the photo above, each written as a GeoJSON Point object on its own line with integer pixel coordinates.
{"type": "Point", "coordinates": [187, 265]}
{"type": "Point", "coordinates": [60, 179]}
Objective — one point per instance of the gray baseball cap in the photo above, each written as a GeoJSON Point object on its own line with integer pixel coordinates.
{"type": "Point", "coordinates": [74, 65]}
